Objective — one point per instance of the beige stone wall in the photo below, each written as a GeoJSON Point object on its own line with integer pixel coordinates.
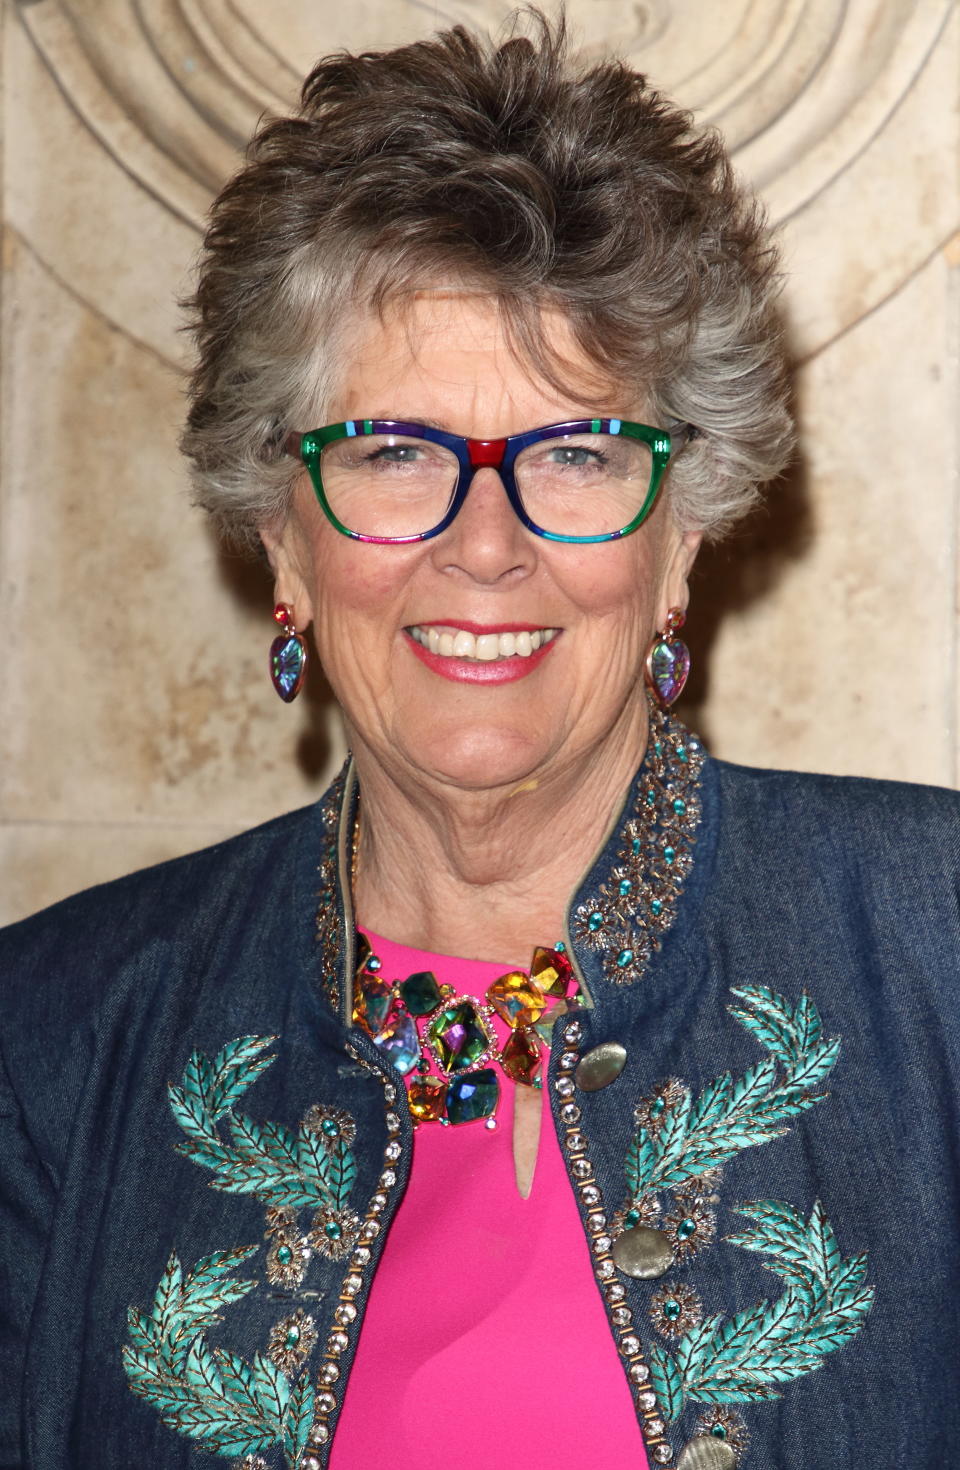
{"type": "Point", "coordinates": [137, 720]}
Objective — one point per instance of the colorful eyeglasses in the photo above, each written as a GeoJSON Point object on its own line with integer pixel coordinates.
{"type": "Point", "coordinates": [384, 481]}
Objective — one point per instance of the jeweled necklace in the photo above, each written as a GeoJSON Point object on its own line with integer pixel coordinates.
{"type": "Point", "coordinates": [444, 1042]}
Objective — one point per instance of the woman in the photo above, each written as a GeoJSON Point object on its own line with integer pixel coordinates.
{"type": "Point", "coordinates": [486, 347]}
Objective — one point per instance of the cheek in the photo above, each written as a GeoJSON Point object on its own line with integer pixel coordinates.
{"type": "Point", "coordinates": [623, 587]}
{"type": "Point", "coordinates": [358, 585]}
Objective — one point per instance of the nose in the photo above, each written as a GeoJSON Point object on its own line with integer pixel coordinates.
{"type": "Point", "coordinates": [487, 541]}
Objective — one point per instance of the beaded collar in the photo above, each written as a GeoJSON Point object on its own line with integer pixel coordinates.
{"type": "Point", "coordinates": [627, 916]}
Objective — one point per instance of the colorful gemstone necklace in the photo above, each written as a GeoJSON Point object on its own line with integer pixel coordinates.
{"type": "Point", "coordinates": [444, 1042]}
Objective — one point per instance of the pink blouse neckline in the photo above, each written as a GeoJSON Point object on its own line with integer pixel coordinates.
{"type": "Point", "coordinates": [485, 1342]}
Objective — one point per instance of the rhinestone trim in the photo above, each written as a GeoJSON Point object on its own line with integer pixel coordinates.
{"type": "Point", "coordinates": [328, 919]}
{"type": "Point", "coordinates": [627, 917]}
{"type": "Point", "coordinates": [580, 1166]}
{"type": "Point", "coordinates": [346, 1316]}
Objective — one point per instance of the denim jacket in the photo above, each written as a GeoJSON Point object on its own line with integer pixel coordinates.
{"type": "Point", "coordinates": [757, 1103]}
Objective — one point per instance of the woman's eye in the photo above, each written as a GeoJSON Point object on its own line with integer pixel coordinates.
{"type": "Point", "coordinates": [575, 456]}
{"type": "Point", "coordinates": [394, 454]}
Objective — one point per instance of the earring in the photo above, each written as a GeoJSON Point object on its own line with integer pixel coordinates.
{"type": "Point", "coordinates": [288, 655]}
{"type": "Point", "coordinates": [668, 661]}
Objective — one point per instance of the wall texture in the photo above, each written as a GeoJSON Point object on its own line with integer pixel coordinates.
{"type": "Point", "coordinates": [137, 719]}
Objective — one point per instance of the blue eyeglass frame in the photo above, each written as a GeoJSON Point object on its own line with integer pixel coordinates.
{"type": "Point", "coordinates": [477, 454]}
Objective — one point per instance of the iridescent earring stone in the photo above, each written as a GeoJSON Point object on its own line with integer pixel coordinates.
{"type": "Point", "coordinates": [288, 655]}
{"type": "Point", "coordinates": [668, 661]}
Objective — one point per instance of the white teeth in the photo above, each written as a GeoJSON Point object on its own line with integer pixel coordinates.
{"type": "Point", "coordinates": [485, 647]}
{"type": "Point", "coordinates": [488, 647]}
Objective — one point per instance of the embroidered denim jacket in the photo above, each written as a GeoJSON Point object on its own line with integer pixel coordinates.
{"type": "Point", "coordinates": [784, 1118]}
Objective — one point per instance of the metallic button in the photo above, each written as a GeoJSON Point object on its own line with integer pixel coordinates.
{"type": "Point", "coordinates": [643, 1252]}
{"type": "Point", "coordinates": [600, 1066]}
{"type": "Point", "coordinates": [706, 1453]}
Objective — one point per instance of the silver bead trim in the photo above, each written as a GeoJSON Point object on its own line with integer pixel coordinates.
{"type": "Point", "coordinates": [613, 1291]}
{"type": "Point", "coordinates": [346, 1315]}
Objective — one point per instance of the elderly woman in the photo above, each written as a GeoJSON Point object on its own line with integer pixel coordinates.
{"type": "Point", "coordinates": [479, 1115]}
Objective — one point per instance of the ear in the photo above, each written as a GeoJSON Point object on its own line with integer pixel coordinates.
{"type": "Point", "coordinates": [289, 557]}
{"type": "Point", "coordinates": [681, 556]}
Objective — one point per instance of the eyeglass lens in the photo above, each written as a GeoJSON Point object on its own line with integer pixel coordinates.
{"type": "Point", "coordinates": [576, 485]}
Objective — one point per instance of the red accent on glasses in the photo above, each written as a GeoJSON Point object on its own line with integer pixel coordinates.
{"type": "Point", "coordinates": [486, 453]}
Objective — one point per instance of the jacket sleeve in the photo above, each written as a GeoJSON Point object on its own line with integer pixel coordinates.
{"type": "Point", "coordinates": [26, 1207]}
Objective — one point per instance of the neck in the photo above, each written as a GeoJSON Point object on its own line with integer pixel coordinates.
{"type": "Point", "coordinates": [485, 874]}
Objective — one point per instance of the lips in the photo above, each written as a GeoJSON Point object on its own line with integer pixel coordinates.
{"type": "Point", "coordinates": [480, 655]}
{"type": "Point", "coordinates": [445, 641]}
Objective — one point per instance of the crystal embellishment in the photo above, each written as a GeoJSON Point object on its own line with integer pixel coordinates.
{"type": "Point", "coordinates": [458, 1037]}
{"type": "Point", "coordinates": [426, 1099]}
{"type": "Point", "coordinates": [516, 999]}
{"type": "Point", "coordinates": [400, 1043]}
{"type": "Point", "coordinates": [421, 993]}
{"type": "Point", "coordinates": [627, 917]}
{"type": "Point", "coordinates": [372, 1007]}
{"type": "Point", "coordinates": [552, 972]}
{"type": "Point", "coordinates": [288, 658]}
{"type": "Point", "coordinates": [473, 1095]}
{"type": "Point", "coordinates": [521, 1057]}
{"type": "Point", "coordinates": [669, 667]}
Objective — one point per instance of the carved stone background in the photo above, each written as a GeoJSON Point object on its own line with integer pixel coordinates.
{"type": "Point", "coordinates": [137, 718]}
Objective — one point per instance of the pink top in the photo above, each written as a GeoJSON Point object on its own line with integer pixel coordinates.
{"type": "Point", "coordinates": [485, 1343]}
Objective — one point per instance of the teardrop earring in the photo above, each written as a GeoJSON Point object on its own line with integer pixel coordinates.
{"type": "Point", "coordinates": [288, 655]}
{"type": "Point", "coordinates": [668, 661]}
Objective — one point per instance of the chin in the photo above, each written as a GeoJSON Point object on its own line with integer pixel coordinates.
{"type": "Point", "coordinates": [480, 760]}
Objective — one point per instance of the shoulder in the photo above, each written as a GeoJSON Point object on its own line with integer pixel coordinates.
{"type": "Point", "coordinates": [105, 985]}
{"type": "Point", "coordinates": [187, 895]}
{"type": "Point", "coordinates": [884, 854]}
{"type": "Point", "coordinates": [863, 803]}
{"type": "Point", "coordinates": [104, 958]}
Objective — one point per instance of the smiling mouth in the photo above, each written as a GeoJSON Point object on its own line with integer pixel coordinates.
{"type": "Point", "coordinates": [488, 648]}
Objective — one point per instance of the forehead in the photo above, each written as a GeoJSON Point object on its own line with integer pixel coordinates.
{"type": "Point", "coordinates": [452, 350]}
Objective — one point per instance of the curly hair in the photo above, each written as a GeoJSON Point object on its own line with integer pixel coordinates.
{"type": "Point", "coordinates": [512, 169]}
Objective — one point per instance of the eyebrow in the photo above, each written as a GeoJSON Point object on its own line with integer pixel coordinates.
{"type": "Point", "coordinates": [408, 418]}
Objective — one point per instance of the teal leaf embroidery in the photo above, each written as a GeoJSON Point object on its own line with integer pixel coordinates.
{"type": "Point", "coordinates": [733, 1114]}
{"type": "Point", "coordinates": [679, 1149]}
{"type": "Point", "coordinates": [237, 1408]}
{"type": "Point", "coordinates": [666, 1382]}
{"type": "Point", "coordinates": [747, 1357]}
{"type": "Point", "coordinates": [298, 1421]}
{"type": "Point", "coordinates": [211, 1395]}
{"type": "Point", "coordinates": [314, 1168]}
{"type": "Point", "coordinates": [641, 1158]}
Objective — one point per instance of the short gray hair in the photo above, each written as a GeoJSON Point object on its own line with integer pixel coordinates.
{"type": "Point", "coordinates": [512, 169]}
